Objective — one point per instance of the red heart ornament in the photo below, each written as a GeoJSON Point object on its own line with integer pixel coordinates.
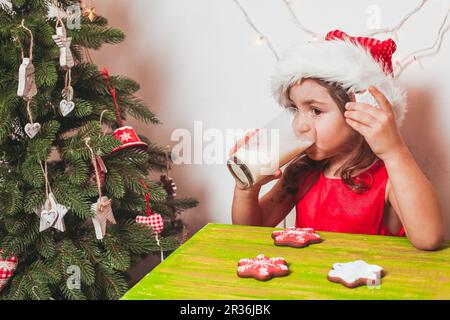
{"type": "Point", "coordinates": [7, 268]}
{"type": "Point", "coordinates": [154, 220]}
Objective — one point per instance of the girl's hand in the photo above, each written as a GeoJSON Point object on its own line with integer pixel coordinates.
{"type": "Point", "coordinates": [377, 125]}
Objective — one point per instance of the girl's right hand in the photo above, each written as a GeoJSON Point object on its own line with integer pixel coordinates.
{"type": "Point", "coordinates": [256, 186]}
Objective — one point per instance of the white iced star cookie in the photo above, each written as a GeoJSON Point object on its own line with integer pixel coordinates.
{"type": "Point", "coordinates": [354, 274]}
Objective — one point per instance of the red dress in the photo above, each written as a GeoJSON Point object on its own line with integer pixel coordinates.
{"type": "Point", "coordinates": [329, 205]}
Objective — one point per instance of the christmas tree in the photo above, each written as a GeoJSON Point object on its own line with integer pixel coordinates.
{"type": "Point", "coordinates": [76, 198]}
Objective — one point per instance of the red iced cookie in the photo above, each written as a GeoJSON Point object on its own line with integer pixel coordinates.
{"type": "Point", "coordinates": [295, 237]}
{"type": "Point", "coordinates": [262, 268]}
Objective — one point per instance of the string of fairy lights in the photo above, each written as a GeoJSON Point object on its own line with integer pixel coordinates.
{"type": "Point", "coordinates": [401, 63]}
{"type": "Point", "coordinates": [261, 37]}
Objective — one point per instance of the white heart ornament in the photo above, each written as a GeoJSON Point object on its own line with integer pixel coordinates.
{"type": "Point", "coordinates": [66, 107]}
{"type": "Point", "coordinates": [49, 216]}
{"type": "Point", "coordinates": [32, 129]}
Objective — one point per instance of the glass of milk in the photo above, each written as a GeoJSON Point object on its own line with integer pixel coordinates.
{"type": "Point", "coordinates": [271, 147]}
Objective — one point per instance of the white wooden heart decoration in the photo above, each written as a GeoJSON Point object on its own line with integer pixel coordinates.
{"type": "Point", "coordinates": [49, 216]}
{"type": "Point", "coordinates": [32, 129]}
{"type": "Point", "coordinates": [66, 107]}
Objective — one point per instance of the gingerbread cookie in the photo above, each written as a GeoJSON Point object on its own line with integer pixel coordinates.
{"type": "Point", "coordinates": [356, 273]}
{"type": "Point", "coordinates": [262, 268]}
{"type": "Point", "coordinates": [295, 237]}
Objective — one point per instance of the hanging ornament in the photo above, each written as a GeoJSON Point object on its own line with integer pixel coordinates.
{"type": "Point", "coordinates": [102, 208]}
{"type": "Point", "coordinates": [7, 6]}
{"type": "Point", "coordinates": [32, 129]}
{"type": "Point", "coordinates": [63, 42]}
{"type": "Point", "coordinates": [66, 62]}
{"type": "Point", "coordinates": [101, 169]}
{"type": "Point", "coordinates": [51, 213]}
{"type": "Point", "coordinates": [129, 139]}
{"type": "Point", "coordinates": [168, 185]}
{"type": "Point", "coordinates": [27, 84]}
{"type": "Point", "coordinates": [66, 105]}
{"type": "Point", "coordinates": [153, 220]}
{"type": "Point", "coordinates": [167, 182]}
{"type": "Point", "coordinates": [89, 12]}
{"type": "Point", "coordinates": [7, 268]}
{"type": "Point", "coordinates": [125, 134]}
{"type": "Point", "coordinates": [103, 213]}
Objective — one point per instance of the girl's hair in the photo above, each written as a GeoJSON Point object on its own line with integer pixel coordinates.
{"type": "Point", "coordinates": [296, 172]}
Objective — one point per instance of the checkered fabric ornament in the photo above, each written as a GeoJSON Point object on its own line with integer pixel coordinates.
{"type": "Point", "coordinates": [153, 220]}
{"type": "Point", "coordinates": [7, 268]}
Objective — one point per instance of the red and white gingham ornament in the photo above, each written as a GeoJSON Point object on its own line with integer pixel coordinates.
{"type": "Point", "coordinates": [153, 220]}
{"type": "Point", "coordinates": [7, 268]}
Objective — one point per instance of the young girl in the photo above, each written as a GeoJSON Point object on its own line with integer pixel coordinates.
{"type": "Point", "coordinates": [359, 176]}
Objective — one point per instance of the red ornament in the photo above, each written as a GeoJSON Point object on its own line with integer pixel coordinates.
{"type": "Point", "coordinates": [153, 220]}
{"type": "Point", "coordinates": [381, 51]}
{"type": "Point", "coordinates": [7, 268]}
{"type": "Point", "coordinates": [126, 134]}
{"type": "Point", "coordinates": [129, 139]}
{"type": "Point", "coordinates": [169, 185]}
{"type": "Point", "coordinates": [102, 171]}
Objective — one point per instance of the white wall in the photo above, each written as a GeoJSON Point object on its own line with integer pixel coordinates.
{"type": "Point", "coordinates": [197, 60]}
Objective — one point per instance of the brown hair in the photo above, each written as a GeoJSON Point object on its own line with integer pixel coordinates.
{"type": "Point", "coordinates": [301, 167]}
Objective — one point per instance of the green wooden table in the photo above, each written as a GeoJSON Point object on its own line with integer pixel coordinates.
{"type": "Point", "coordinates": [205, 268]}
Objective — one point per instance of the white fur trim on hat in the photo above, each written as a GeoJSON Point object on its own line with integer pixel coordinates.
{"type": "Point", "coordinates": [339, 61]}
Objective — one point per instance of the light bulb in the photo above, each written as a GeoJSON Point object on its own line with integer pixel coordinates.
{"type": "Point", "coordinates": [260, 40]}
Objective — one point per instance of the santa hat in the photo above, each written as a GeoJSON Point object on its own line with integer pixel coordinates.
{"type": "Point", "coordinates": [355, 63]}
